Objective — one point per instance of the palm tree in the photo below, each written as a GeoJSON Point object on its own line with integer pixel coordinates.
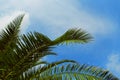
{"type": "Point", "coordinates": [21, 56]}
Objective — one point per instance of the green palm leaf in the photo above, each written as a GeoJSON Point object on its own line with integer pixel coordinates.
{"type": "Point", "coordinates": [35, 72]}
{"type": "Point", "coordinates": [9, 36]}
{"type": "Point", "coordinates": [74, 36]}
{"type": "Point", "coordinates": [76, 72]}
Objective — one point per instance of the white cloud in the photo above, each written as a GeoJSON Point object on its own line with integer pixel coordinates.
{"type": "Point", "coordinates": [59, 15]}
{"type": "Point", "coordinates": [114, 64]}
{"type": "Point", "coordinates": [5, 19]}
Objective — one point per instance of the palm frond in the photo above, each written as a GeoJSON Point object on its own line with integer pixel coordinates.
{"type": "Point", "coordinates": [74, 36]}
{"type": "Point", "coordinates": [31, 42]}
{"type": "Point", "coordinates": [33, 73]}
{"type": "Point", "coordinates": [76, 72]}
{"type": "Point", "coordinates": [9, 36]}
{"type": "Point", "coordinates": [29, 49]}
{"type": "Point", "coordinates": [8, 39]}
{"type": "Point", "coordinates": [33, 47]}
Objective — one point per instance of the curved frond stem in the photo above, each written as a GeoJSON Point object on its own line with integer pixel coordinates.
{"type": "Point", "coordinates": [33, 73]}
{"type": "Point", "coordinates": [77, 72]}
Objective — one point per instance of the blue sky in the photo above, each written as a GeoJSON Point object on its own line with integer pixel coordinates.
{"type": "Point", "coordinates": [53, 17]}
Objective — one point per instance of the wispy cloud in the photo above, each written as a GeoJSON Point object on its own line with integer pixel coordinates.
{"type": "Point", "coordinates": [61, 15]}
{"type": "Point", "coordinates": [114, 64]}
{"type": "Point", "coordinates": [5, 19]}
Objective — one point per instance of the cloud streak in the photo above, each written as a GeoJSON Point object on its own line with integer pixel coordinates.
{"type": "Point", "coordinates": [114, 64]}
{"type": "Point", "coordinates": [63, 15]}
{"type": "Point", "coordinates": [58, 16]}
